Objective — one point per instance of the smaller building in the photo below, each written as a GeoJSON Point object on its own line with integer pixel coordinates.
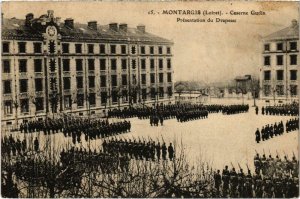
{"type": "Point", "coordinates": [193, 97]}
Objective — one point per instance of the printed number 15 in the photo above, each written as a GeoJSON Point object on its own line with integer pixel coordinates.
{"type": "Point", "coordinates": [151, 12]}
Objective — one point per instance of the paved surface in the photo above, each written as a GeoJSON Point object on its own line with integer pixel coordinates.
{"type": "Point", "coordinates": [220, 139]}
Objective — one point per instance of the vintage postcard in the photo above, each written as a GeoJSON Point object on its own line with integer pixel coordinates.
{"type": "Point", "coordinates": [150, 99]}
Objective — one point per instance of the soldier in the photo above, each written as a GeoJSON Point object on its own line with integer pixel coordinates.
{"type": "Point", "coordinates": [262, 110]}
{"type": "Point", "coordinates": [248, 186]}
{"type": "Point", "coordinates": [256, 110]}
{"type": "Point", "coordinates": [258, 185]}
{"type": "Point", "coordinates": [171, 152]}
{"type": "Point", "coordinates": [157, 147]}
{"type": "Point", "coordinates": [241, 180]}
{"type": "Point", "coordinates": [263, 134]}
{"type": "Point", "coordinates": [36, 144]}
{"type": "Point", "coordinates": [264, 165]}
{"type": "Point", "coordinates": [233, 182]}
{"type": "Point", "coordinates": [164, 151]}
{"type": "Point", "coordinates": [295, 167]}
{"type": "Point", "coordinates": [257, 163]}
{"type": "Point", "coordinates": [225, 179]}
{"type": "Point", "coordinates": [161, 120]}
{"type": "Point", "coordinates": [278, 187]}
{"type": "Point", "coordinates": [217, 178]}
{"type": "Point", "coordinates": [268, 191]}
{"type": "Point", "coordinates": [257, 134]}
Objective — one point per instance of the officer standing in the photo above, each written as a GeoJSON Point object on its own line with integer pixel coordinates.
{"type": "Point", "coordinates": [257, 135]}
{"type": "Point", "coordinates": [171, 152]}
{"type": "Point", "coordinates": [256, 110]}
{"type": "Point", "coordinates": [36, 144]}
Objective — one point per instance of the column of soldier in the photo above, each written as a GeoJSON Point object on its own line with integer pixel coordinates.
{"type": "Point", "coordinates": [98, 160]}
{"type": "Point", "coordinates": [116, 154]}
{"type": "Point", "coordinates": [11, 146]}
{"type": "Point", "coordinates": [139, 150]}
{"type": "Point", "coordinates": [269, 131]}
{"type": "Point", "coordinates": [47, 125]}
{"type": "Point", "coordinates": [166, 111]}
{"type": "Point", "coordinates": [286, 110]}
{"type": "Point", "coordinates": [235, 109]}
{"type": "Point", "coordinates": [93, 129]}
{"type": "Point", "coordinates": [74, 127]}
{"type": "Point", "coordinates": [272, 178]}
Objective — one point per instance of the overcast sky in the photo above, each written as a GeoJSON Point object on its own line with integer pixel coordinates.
{"type": "Point", "coordinates": [202, 51]}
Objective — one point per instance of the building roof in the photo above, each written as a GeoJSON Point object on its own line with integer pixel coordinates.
{"type": "Point", "coordinates": [291, 32]}
{"type": "Point", "coordinates": [243, 78]}
{"type": "Point", "coordinates": [16, 28]}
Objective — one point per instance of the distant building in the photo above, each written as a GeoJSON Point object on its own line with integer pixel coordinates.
{"type": "Point", "coordinates": [52, 67]}
{"type": "Point", "coordinates": [279, 71]}
{"type": "Point", "coordinates": [193, 97]}
{"type": "Point", "coordinates": [243, 84]}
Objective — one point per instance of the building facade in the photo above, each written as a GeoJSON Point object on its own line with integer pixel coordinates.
{"type": "Point", "coordinates": [51, 67]}
{"type": "Point", "coordinates": [279, 71]}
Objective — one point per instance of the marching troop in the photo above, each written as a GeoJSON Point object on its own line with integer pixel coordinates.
{"type": "Point", "coordinates": [269, 131]}
{"type": "Point", "coordinates": [11, 146]}
{"type": "Point", "coordinates": [172, 110]}
{"type": "Point", "coordinates": [283, 110]}
{"type": "Point", "coordinates": [272, 178]}
{"type": "Point", "coordinates": [99, 161]}
{"type": "Point", "coordinates": [292, 125]}
{"type": "Point", "coordinates": [139, 150]}
{"type": "Point", "coordinates": [93, 129]}
{"type": "Point", "coordinates": [191, 115]}
{"type": "Point", "coordinates": [47, 125]}
{"type": "Point", "coordinates": [235, 109]}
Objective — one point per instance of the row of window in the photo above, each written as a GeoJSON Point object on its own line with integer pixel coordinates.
{"type": "Point", "coordinates": [113, 49]}
{"type": "Point", "coordinates": [91, 65]}
{"type": "Point", "coordinates": [279, 90]}
{"type": "Point", "coordinates": [279, 46]}
{"type": "Point", "coordinates": [91, 82]}
{"type": "Point", "coordinates": [80, 99]}
{"type": "Point", "coordinates": [113, 64]}
{"type": "Point", "coordinates": [279, 60]}
{"type": "Point", "coordinates": [37, 48]}
{"type": "Point", "coordinates": [280, 75]}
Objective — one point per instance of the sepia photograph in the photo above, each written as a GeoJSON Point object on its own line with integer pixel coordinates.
{"type": "Point", "coordinates": [150, 99]}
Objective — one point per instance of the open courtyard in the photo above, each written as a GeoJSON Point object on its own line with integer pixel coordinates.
{"type": "Point", "coordinates": [219, 140]}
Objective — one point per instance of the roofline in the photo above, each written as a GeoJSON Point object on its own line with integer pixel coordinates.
{"type": "Point", "coordinates": [281, 38]}
{"type": "Point", "coordinates": [86, 40]}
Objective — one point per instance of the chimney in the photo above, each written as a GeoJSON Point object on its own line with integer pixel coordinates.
{"type": "Point", "coordinates": [69, 22]}
{"type": "Point", "coordinates": [123, 27]}
{"type": "Point", "coordinates": [294, 23]}
{"type": "Point", "coordinates": [141, 28]}
{"type": "Point", "coordinates": [113, 26]}
{"type": "Point", "coordinates": [92, 25]}
{"type": "Point", "coordinates": [28, 19]}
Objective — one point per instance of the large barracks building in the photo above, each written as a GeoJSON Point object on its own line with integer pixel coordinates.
{"type": "Point", "coordinates": [52, 67]}
{"type": "Point", "coordinates": [279, 72]}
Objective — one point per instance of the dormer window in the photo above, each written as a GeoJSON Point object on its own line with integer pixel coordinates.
{"type": "Point", "coordinates": [267, 47]}
{"type": "Point", "coordinates": [293, 45]}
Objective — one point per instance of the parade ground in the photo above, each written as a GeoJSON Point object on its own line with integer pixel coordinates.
{"type": "Point", "coordinates": [219, 140]}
